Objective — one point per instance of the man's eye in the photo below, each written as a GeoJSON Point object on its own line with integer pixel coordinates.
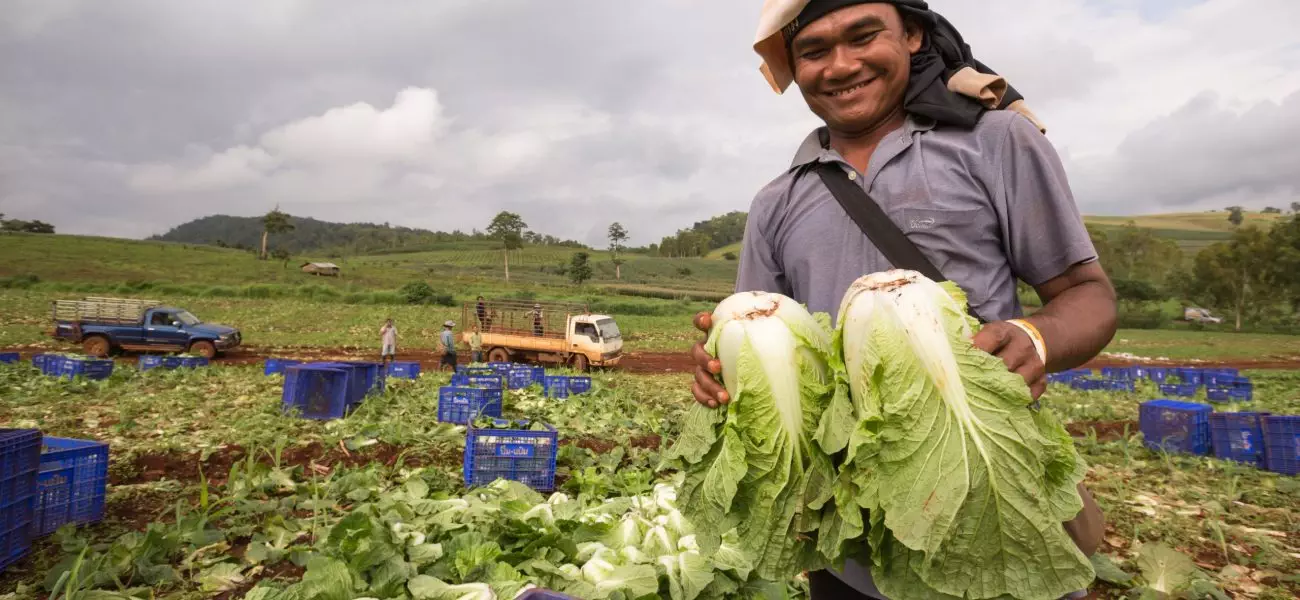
{"type": "Point", "coordinates": [863, 39]}
{"type": "Point", "coordinates": [813, 54]}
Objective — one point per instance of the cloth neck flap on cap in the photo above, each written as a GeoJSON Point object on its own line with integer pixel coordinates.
{"type": "Point", "coordinates": [947, 83]}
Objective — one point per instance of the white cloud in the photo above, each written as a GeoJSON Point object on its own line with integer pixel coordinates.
{"type": "Point", "coordinates": [439, 114]}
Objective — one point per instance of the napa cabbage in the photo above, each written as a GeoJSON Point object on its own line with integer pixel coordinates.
{"type": "Point", "coordinates": [754, 466]}
{"type": "Point", "coordinates": [964, 487]}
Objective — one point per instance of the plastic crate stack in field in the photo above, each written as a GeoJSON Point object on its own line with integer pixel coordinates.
{"type": "Point", "coordinates": [1174, 426]}
{"type": "Point", "coordinates": [1282, 443]}
{"type": "Point", "coordinates": [315, 392]}
{"type": "Point", "coordinates": [1067, 377]}
{"type": "Point", "coordinates": [404, 370]}
{"type": "Point", "coordinates": [9, 357]}
{"type": "Point", "coordinates": [523, 455]}
{"type": "Point", "coordinates": [71, 484]}
{"type": "Point", "coordinates": [59, 365]}
{"type": "Point", "coordinates": [463, 404]}
{"type": "Point", "coordinates": [1238, 436]}
{"type": "Point", "coordinates": [20, 460]}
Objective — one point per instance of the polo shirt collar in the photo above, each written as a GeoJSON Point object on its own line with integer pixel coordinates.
{"type": "Point", "coordinates": [816, 147]}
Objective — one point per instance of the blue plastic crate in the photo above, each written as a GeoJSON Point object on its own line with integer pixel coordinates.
{"type": "Point", "coordinates": [276, 366]}
{"type": "Point", "coordinates": [314, 392]}
{"type": "Point", "coordinates": [579, 384]}
{"type": "Point", "coordinates": [519, 378]}
{"type": "Point", "coordinates": [1217, 394]}
{"type": "Point", "coordinates": [147, 362]}
{"type": "Point", "coordinates": [1282, 444]}
{"type": "Point", "coordinates": [9, 357]}
{"type": "Point", "coordinates": [53, 501]}
{"type": "Point", "coordinates": [460, 405]}
{"type": "Point", "coordinates": [193, 362]}
{"type": "Point", "coordinates": [404, 370]}
{"type": "Point", "coordinates": [1117, 372]}
{"type": "Point", "coordinates": [1120, 385]}
{"type": "Point", "coordinates": [1157, 374]}
{"type": "Point", "coordinates": [555, 386]}
{"type": "Point", "coordinates": [363, 378]}
{"type": "Point", "coordinates": [515, 454]}
{"type": "Point", "coordinates": [1180, 390]}
{"type": "Point", "coordinates": [20, 460]}
{"type": "Point", "coordinates": [1238, 436]}
{"type": "Point", "coordinates": [373, 374]}
{"type": "Point", "coordinates": [88, 460]}
{"type": "Point", "coordinates": [1191, 376]}
{"type": "Point", "coordinates": [488, 381]}
{"type": "Point", "coordinates": [1242, 393]}
{"type": "Point", "coordinates": [90, 368]}
{"type": "Point", "coordinates": [500, 368]}
{"type": "Point", "coordinates": [470, 370]}
{"type": "Point", "coordinates": [1174, 426]}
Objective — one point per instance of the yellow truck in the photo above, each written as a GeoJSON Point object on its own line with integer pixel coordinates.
{"type": "Point", "coordinates": [543, 332]}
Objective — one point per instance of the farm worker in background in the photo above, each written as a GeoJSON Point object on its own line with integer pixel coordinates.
{"type": "Point", "coordinates": [388, 342]}
{"type": "Point", "coordinates": [448, 342]}
{"type": "Point", "coordinates": [954, 159]}
{"type": "Point", "coordinates": [537, 320]}
{"type": "Point", "coordinates": [481, 311]}
{"type": "Point", "coordinates": [476, 346]}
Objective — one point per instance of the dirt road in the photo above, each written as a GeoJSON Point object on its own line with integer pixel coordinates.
{"type": "Point", "coordinates": [635, 362]}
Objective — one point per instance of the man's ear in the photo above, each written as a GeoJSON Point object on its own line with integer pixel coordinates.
{"type": "Point", "coordinates": [913, 34]}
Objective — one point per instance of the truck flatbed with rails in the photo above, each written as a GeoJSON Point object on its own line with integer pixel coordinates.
{"type": "Point", "coordinates": [543, 332]}
{"type": "Point", "coordinates": [103, 325]}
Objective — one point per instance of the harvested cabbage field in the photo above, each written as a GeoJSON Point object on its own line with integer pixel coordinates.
{"type": "Point", "coordinates": [214, 493]}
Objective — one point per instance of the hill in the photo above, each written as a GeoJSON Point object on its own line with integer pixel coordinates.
{"type": "Point", "coordinates": [323, 237]}
{"type": "Point", "coordinates": [1191, 231]}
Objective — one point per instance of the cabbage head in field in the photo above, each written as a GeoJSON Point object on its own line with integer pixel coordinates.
{"type": "Point", "coordinates": [964, 486]}
{"type": "Point", "coordinates": [753, 465]}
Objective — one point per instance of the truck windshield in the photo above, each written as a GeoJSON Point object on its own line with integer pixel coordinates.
{"type": "Point", "coordinates": [608, 329]}
{"type": "Point", "coordinates": [186, 318]}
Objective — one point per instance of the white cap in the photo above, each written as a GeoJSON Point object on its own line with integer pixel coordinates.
{"type": "Point", "coordinates": [449, 324]}
{"type": "Point", "coordinates": [769, 43]}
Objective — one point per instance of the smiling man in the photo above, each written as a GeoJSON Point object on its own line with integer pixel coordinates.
{"type": "Point", "coordinates": [936, 163]}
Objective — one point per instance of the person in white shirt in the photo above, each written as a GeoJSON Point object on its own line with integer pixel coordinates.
{"type": "Point", "coordinates": [388, 342]}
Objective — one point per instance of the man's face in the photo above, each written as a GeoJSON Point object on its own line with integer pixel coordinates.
{"type": "Point", "coordinates": [852, 65]}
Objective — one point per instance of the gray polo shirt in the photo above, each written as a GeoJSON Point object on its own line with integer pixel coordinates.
{"type": "Point", "coordinates": [987, 206]}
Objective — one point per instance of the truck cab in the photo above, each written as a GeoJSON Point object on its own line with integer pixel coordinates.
{"type": "Point", "coordinates": [595, 337]}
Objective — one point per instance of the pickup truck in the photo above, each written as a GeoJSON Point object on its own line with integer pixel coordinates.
{"type": "Point", "coordinates": [564, 333]}
{"type": "Point", "coordinates": [104, 325]}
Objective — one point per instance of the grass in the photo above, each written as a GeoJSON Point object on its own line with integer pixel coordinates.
{"type": "Point", "coordinates": [1238, 524]}
{"type": "Point", "coordinates": [1205, 345]}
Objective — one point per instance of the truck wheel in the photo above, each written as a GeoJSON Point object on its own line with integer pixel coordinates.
{"type": "Point", "coordinates": [580, 363]}
{"type": "Point", "coordinates": [96, 346]}
{"type": "Point", "coordinates": [498, 355]}
{"type": "Point", "coordinates": [205, 349]}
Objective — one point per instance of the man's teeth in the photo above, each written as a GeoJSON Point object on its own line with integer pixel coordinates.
{"type": "Point", "coordinates": [850, 90]}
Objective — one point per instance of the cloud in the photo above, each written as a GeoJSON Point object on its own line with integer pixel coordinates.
{"type": "Point", "coordinates": [129, 117]}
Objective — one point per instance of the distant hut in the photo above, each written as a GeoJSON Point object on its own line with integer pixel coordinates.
{"type": "Point", "coordinates": [321, 268]}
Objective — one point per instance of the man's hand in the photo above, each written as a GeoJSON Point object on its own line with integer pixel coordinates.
{"type": "Point", "coordinates": [1016, 349]}
{"type": "Point", "coordinates": [706, 388]}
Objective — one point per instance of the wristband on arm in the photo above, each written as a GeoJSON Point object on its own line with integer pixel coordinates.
{"type": "Point", "coordinates": [1034, 335]}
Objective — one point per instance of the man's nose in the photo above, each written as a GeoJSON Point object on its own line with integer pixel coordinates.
{"type": "Point", "coordinates": [843, 64]}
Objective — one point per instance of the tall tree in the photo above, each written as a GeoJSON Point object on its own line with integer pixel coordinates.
{"type": "Point", "coordinates": [1236, 215]}
{"type": "Point", "coordinates": [617, 235]}
{"type": "Point", "coordinates": [1234, 273]}
{"type": "Point", "coordinates": [275, 222]}
{"type": "Point", "coordinates": [507, 228]}
{"type": "Point", "coordinates": [579, 268]}
{"type": "Point", "coordinates": [1295, 208]}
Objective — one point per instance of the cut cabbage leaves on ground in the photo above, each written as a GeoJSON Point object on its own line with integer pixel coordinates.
{"type": "Point", "coordinates": [965, 486]}
{"type": "Point", "coordinates": [754, 466]}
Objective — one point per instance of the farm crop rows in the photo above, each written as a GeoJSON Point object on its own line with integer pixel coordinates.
{"type": "Point", "coordinates": [214, 492]}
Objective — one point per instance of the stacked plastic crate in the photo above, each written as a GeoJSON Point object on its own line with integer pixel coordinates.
{"type": "Point", "coordinates": [20, 460]}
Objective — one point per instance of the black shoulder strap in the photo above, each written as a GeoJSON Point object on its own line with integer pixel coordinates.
{"type": "Point", "coordinates": [880, 229]}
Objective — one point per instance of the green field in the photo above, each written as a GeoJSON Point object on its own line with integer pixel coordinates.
{"type": "Point", "coordinates": [214, 493]}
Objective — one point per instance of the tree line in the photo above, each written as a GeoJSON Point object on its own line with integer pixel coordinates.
{"type": "Point", "coordinates": [19, 225]}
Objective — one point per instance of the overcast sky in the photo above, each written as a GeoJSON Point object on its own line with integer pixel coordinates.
{"type": "Point", "coordinates": [126, 117]}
